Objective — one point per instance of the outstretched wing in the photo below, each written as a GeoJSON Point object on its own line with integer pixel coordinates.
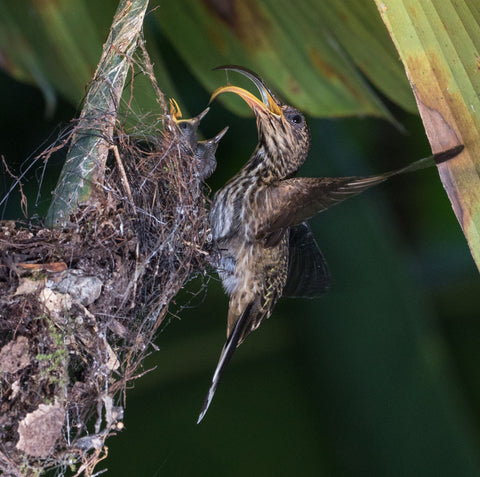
{"type": "Point", "coordinates": [308, 274]}
{"type": "Point", "coordinates": [292, 201]}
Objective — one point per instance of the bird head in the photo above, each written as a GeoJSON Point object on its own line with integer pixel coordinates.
{"type": "Point", "coordinates": [282, 129]}
{"type": "Point", "coordinates": [188, 127]}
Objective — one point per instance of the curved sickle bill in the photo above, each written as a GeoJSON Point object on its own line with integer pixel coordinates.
{"type": "Point", "coordinates": [268, 103]}
{"type": "Point", "coordinates": [253, 77]}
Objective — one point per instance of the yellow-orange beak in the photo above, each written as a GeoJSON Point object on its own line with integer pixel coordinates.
{"type": "Point", "coordinates": [268, 102]}
{"type": "Point", "coordinates": [175, 110]}
{"type": "Point", "coordinates": [250, 99]}
{"type": "Point", "coordinates": [176, 113]}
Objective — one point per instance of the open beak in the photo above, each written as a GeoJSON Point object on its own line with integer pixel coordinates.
{"type": "Point", "coordinates": [268, 102]}
{"type": "Point", "coordinates": [175, 110]}
{"type": "Point", "coordinates": [176, 113]}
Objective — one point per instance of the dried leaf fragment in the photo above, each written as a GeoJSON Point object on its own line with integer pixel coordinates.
{"type": "Point", "coordinates": [15, 355]}
{"type": "Point", "coordinates": [40, 430]}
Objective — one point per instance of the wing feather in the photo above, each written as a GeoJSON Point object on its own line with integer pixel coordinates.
{"type": "Point", "coordinates": [308, 274]}
{"type": "Point", "coordinates": [292, 201]}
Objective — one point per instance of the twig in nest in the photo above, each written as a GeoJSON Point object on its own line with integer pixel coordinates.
{"type": "Point", "coordinates": [147, 64]}
{"type": "Point", "coordinates": [123, 176]}
{"type": "Point", "coordinates": [88, 467]}
{"type": "Point", "coordinates": [23, 200]}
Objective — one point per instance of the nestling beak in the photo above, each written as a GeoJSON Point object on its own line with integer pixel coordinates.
{"type": "Point", "coordinates": [175, 110]}
{"type": "Point", "coordinates": [202, 115]}
{"type": "Point", "coordinates": [176, 113]}
{"type": "Point", "coordinates": [269, 103]}
{"type": "Point", "coordinates": [219, 136]}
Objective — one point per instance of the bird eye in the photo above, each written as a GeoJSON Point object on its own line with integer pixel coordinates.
{"type": "Point", "coordinates": [183, 126]}
{"type": "Point", "coordinates": [296, 118]}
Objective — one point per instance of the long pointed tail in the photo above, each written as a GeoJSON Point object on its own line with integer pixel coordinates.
{"type": "Point", "coordinates": [429, 161]}
{"type": "Point", "coordinates": [361, 184]}
{"type": "Point", "coordinates": [225, 357]}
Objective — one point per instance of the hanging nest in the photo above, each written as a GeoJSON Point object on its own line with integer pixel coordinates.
{"type": "Point", "coordinates": [79, 306]}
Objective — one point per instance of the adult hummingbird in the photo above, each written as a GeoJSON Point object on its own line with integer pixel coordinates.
{"type": "Point", "coordinates": [266, 249]}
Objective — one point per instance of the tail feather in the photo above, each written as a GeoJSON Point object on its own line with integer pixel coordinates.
{"type": "Point", "coordinates": [363, 183]}
{"type": "Point", "coordinates": [225, 357]}
{"type": "Point", "coordinates": [426, 162]}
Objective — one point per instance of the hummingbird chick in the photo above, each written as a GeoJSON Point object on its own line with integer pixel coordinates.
{"type": "Point", "coordinates": [203, 151]}
{"type": "Point", "coordinates": [205, 155]}
{"type": "Point", "coordinates": [258, 219]}
{"type": "Point", "coordinates": [187, 127]}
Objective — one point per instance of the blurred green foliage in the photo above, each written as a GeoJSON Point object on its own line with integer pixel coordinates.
{"type": "Point", "coordinates": [378, 378]}
{"type": "Point", "coordinates": [316, 54]}
{"type": "Point", "coordinates": [439, 44]}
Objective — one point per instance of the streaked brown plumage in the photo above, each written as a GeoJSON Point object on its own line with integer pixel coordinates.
{"type": "Point", "coordinates": [266, 249]}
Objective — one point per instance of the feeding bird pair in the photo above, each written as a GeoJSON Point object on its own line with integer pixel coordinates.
{"type": "Point", "coordinates": [265, 248]}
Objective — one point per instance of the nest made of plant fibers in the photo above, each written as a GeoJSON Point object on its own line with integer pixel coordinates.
{"type": "Point", "coordinates": [79, 306]}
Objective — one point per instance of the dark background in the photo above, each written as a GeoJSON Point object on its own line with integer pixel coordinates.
{"type": "Point", "coordinates": [379, 377]}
